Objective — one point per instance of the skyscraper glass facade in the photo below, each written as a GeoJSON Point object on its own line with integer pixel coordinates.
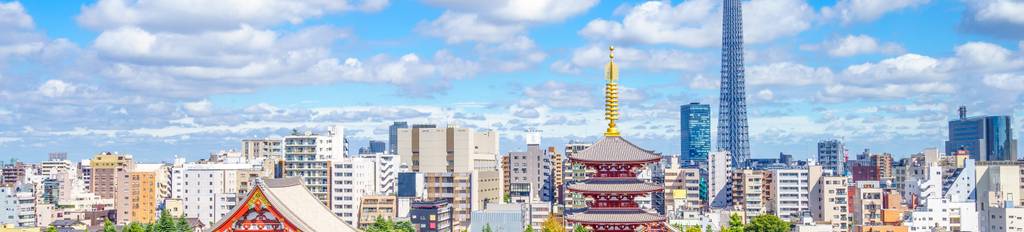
{"type": "Point", "coordinates": [393, 136]}
{"type": "Point", "coordinates": [695, 132]}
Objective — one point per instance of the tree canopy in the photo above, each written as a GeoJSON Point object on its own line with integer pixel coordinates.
{"type": "Point", "coordinates": [767, 223]}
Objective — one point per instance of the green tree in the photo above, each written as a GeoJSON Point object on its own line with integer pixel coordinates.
{"type": "Point", "coordinates": [51, 229]}
{"type": "Point", "coordinates": [183, 225]}
{"type": "Point", "coordinates": [767, 223]}
{"type": "Point", "coordinates": [108, 226]}
{"type": "Point", "coordinates": [553, 224]}
{"type": "Point", "coordinates": [735, 224]}
{"type": "Point", "coordinates": [507, 198]}
{"type": "Point", "coordinates": [529, 228]}
{"type": "Point", "coordinates": [404, 226]}
{"type": "Point", "coordinates": [692, 229]}
{"type": "Point", "coordinates": [579, 228]}
{"type": "Point", "coordinates": [487, 228]}
{"type": "Point", "coordinates": [382, 225]}
{"type": "Point", "coordinates": [165, 223]}
{"type": "Point", "coordinates": [678, 227]}
{"type": "Point", "coordinates": [133, 227]}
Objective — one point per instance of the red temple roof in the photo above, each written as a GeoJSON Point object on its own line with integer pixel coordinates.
{"type": "Point", "coordinates": [626, 216]}
{"type": "Point", "coordinates": [281, 205]}
{"type": "Point", "coordinates": [615, 149]}
{"type": "Point", "coordinates": [615, 186]}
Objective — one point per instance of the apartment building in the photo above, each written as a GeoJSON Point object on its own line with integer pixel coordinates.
{"type": "Point", "coordinates": [111, 180]}
{"type": "Point", "coordinates": [308, 155]}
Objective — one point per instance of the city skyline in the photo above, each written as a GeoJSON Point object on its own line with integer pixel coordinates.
{"type": "Point", "coordinates": [86, 77]}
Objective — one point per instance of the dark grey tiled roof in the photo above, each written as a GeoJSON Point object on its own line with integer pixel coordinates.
{"type": "Point", "coordinates": [615, 148]}
{"type": "Point", "coordinates": [627, 185]}
{"type": "Point", "coordinates": [615, 216]}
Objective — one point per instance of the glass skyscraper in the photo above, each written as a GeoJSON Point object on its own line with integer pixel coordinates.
{"type": "Point", "coordinates": [985, 138]}
{"type": "Point", "coordinates": [732, 108]}
{"type": "Point", "coordinates": [695, 131]}
{"type": "Point", "coordinates": [393, 136]}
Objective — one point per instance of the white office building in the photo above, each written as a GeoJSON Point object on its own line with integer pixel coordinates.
{"type": "Point", "coordinates": [351, 178]}
{"type": "Point", "coordinates": [208, 191]}
{"type": "Point", "coordinates": [790, 193]}
{"type": "Point", "coordinates": [943, 215]}
{"type": "Point", "coordinates": [308, 155]}
{"type": "Point", "coordinates": [18, 205]}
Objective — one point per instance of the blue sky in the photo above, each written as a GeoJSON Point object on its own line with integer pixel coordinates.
{"type": "Point", "coordinates": [162, 78]}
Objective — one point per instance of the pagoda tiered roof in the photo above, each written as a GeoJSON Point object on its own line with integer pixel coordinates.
{"type": "Point", "coordinates": [615, 185]}
{"type": "Point", "coordinates": [612, 149]}
{"type": "Point", "coordinates": [626, 216]}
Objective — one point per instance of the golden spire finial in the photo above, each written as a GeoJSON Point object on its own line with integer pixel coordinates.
{"type": "Point", "coordinates": [611, 94]}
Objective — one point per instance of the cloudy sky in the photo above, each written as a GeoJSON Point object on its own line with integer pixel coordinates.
{"type": "Point", "coordinates": [159, 78]}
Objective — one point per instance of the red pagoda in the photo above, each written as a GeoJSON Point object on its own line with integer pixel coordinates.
{"type": "Point", "coordinates": [614, 186]}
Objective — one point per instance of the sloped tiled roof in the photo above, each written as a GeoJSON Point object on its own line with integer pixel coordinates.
{"type": "Point", "coordinates": [615, 216]}
{"type": "Point", "coordinates": [615, 148]}
{"type": "Point", "coordinates": [297, 205]}
{"type": "Point", "coordinates": [618, 186]}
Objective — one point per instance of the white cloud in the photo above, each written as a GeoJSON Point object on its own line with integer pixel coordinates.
{"type": "Point", "coordinates": [697, 23]}
{"type": "Point", "coordinates": [852, 45]}
{"type": "Point", "coordinates": [56, 88]}
{"type": "Point", "coordinates": [181, 16]}
{"type": "Point", "coordinates": [849, 11]}
{"type": "Point", "coordinates": [786, 73]}
{"type": "Point", "coordinates": [994, 17]}
{"type": "Point", "coordinates": [201, 107]}
{"type": "Point", "coordinates": [1005, 81]}
{"type": "Point", "coordinates": [13, 16]}
{"type": "Point", "coordinates": [985, 55]}
{"type": "Point", "coordinates": [766, 94]}
{"type": "Point", "coordinates": [526, 11]}
{"type": "Point", "coordinates": [595, 56]}
{"type": "Point", "coordinates": [704, 82]}
{"type": "Point", "coordinates": [898, 69]}
{"type": "Point", "coordinates": [558, 94]}
{"type": "Point", "coordinates": [461, 27]}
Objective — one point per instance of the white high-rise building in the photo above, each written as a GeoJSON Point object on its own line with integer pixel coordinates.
{"type": "Point", "coordinates": [351, 178]}
{"type": "Point", "coordinates": [309, 156]}
{"type": "Point", "coordinates": [790, 190]}
{"type": "Point", "coordinates": [719, 179]}
{"type": "Point", "coordinates": [210, 190]}
{"type": "Point", "coordinates": [18, 205]}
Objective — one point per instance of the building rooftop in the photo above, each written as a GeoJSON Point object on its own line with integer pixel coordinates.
{"type": "Point", "coordinates": [619, 186]}
{"type": "Point", "coordinates": [296, 205]}
{"type": "Point", "coordinates": [615, 149]}
{"type": "Point", "coordinates": [631, 216]}
{"type": "Point", "coordinates": [147, 167]}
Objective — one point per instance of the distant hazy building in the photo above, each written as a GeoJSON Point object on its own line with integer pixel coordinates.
{"type": "Point", "coordinates": [377, 146]}
{"type": "Point", "coordinates": [695, 131]}
{"type": "Point", "coordinates": [986, 138]}
{"type": "Point", "coordinates": [393, 136]}
{"type": "Point", "coordinates": [257, 148]}
{"type": "Point", "coordinates": [832, 156]}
